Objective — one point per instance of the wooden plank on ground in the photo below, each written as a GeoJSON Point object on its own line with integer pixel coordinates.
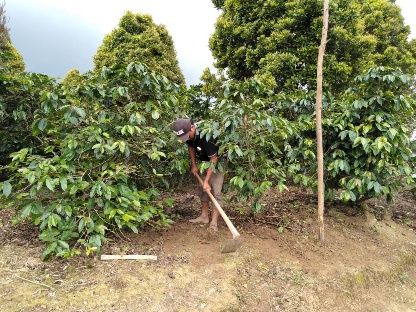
{"type": "Point", "coordinates": [128, 257]}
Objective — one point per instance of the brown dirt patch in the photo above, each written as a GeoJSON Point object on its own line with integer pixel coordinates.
{"type": "Point", "coordinates": [367, 263]}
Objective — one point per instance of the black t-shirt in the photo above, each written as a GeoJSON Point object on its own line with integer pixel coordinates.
{"type": "Point", "coordinates": [204, 149]}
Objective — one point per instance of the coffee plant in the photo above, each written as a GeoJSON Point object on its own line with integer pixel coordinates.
{"type": "Point", "coordinates": [101, 150]}
{"type": "Point", "coordinates": [104, 150]}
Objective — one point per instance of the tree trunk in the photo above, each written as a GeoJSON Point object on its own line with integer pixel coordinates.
{"type": "Point", "coordinates": [320, 157]}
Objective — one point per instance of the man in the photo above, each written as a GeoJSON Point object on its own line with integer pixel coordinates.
{"type": "Point", "coordinates": [206, 150]}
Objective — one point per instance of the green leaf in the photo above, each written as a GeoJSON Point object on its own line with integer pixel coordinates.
{"type": "Point", "coordinates": [101, 228]}
{"type": "Point", "coordinates": [121, 91]}
{"type": "Point", "coordinates": [155, 115]}
{"type": "Point", "coordinates": [49, 250]}
{"type": "Point", "coordinates": [366, 128]}
{"type": "Point", "coordinates": [122, 146]}
{"type": "Point", "coordinates": [112, 213]}
{"type": "Point", "coordinates": [73, 190]}
{"type": "Point", "coordinates": [115, 144]}
{"type": "Point", "coordinates": [63, 244]}
{"type": "Point", "coordinates": [392, 132]}
{"type": "Point", "coordinates": [148, 106]}
{"type": "Point", "coordinates": [93, 189]}
{"type": "Point", "coordinates": [53, 220]}
{"type": "Point", "coordinates": [380, 144]}
{"type": "Point", "coordinates": [31, 177]}
{"type": "Point", "coordinates": [170, 201]}
{"type": "Point", "coordinates": [80, 112]}
{"type": "Point", "coordinates": [7, 188]}
{"type": "Point", "coordinates": [73, 120]}
{"type": "Point", "coordinates": [68, 210]}
{"type": "Point", "coordinates": [49, 184]}
{"type": "Point", "coordinates": [26, 211]}
{"type": "Point", "coordinates": [63, 182]}
{"type": "Point", "coordinates": [377, 187]}
{"type": "Point", "coordinates": [81, 225]}
{"type": "Point", "coordinates": [370, 185]}
{"type": "Point", "coordinates": [132, 227]}
{"type": "Point", "coordinates": [126, 217]}
{"type": "Point", "coordinates": [238, 151]}
{"type": "Point", "coordinates": [357, 141]}
{"type": "Point", "coordinates": [42, 124]}
{"type": "Point", "coordinates": [240, 182]}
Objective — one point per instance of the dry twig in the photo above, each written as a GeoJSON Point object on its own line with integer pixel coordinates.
{"type": "Point", "coordinates": [34, 282]}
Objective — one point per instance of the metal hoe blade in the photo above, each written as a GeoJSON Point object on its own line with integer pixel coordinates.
{"type": "Point", "coordinates": [232, 245]}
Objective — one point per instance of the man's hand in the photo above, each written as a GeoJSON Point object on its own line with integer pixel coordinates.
{"type": "Point", "coordinates": [206, 186]}
{"type": "Point", "coordinates": [194, 170]}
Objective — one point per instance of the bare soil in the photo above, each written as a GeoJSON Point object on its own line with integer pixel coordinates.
{"type": "Point", "coordinates": [368, 262]}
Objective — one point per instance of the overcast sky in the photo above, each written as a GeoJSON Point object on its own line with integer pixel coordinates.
{"type": "Point", "coordinates": [55, 36]}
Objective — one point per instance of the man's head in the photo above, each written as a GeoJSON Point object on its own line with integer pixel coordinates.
{"type": "Point", "coordinates": [183, 128]}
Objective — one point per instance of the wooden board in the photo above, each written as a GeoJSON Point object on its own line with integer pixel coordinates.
{"type": "Point", "coordinates": [128, 257]}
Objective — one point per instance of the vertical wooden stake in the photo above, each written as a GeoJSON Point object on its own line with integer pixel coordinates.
{"type": "Point", "coordinates": [320, 157]}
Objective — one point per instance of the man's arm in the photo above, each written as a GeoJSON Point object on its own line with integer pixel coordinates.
{"type": "Point", "coordinates": [192, 156]}
{"type": "Point", "coordinates": [214, 160]}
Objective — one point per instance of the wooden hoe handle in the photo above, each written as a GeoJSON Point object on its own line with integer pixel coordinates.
{"type": "Point", "coordinates": [221, 211]}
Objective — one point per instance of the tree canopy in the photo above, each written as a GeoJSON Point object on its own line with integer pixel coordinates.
{"type": "Point", "coordinates": [72, 78]}
{"type": "Point", "coordinates": [138, 39]}
{"type": "Point", "coordinates": [278, 41]}
{"type": "Point", "coordinates": [10, 59]}
{"type": "Point", "coordinates": [4, 31]}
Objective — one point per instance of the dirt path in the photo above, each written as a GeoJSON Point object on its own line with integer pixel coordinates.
{"type": "Point", "coordinates": [366, 265]}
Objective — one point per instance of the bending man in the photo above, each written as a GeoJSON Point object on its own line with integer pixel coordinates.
{"type": "Point", "coordinates": [204, 150]}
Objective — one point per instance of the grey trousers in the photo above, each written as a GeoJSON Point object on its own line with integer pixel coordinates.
{"type": "Point", "coordinates": [216, 181]}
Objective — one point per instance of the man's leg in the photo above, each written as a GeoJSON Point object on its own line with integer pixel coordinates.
{"type": "Point", "coordinates": [217, 180]}
{"type": "Point", "coordinates": [204, 217]}
{"type": "Point", "coordinates": [214, 219]}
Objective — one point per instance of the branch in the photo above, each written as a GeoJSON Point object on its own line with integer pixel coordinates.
{"type": "Point", "coordinates": [34, 282]}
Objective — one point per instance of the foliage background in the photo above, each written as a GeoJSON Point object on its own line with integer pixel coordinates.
{"type": "Point", "coordinates": [89, 156]}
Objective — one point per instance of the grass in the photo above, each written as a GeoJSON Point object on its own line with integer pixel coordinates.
{"type": "Point", "coordinates": [399, 272]}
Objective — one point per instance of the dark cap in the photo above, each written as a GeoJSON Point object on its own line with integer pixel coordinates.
{"type": "Point", "coordinates": [182, 127]}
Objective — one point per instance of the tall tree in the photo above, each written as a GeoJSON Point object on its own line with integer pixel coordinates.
{"type": "Point", "coordinates": [10, 59]}
{"type": "Point", "coordinates": [138, 39]}
{"type": "Point", "coordinates": [4, 31]}
{"type": "Point", "coordinates": [72, 78]}
{"type": "Point", "coordinates": [278, 41]}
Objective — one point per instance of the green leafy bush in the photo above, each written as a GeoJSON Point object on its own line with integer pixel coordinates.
{"type": "Point", "coordinates": [104, 149]}
{"type": "Point", "coordinates": [19, 97]}
{"type": "Point", "coordinates": [251, 138]}
{"type": "Point", "coordinates": [366, 141]}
